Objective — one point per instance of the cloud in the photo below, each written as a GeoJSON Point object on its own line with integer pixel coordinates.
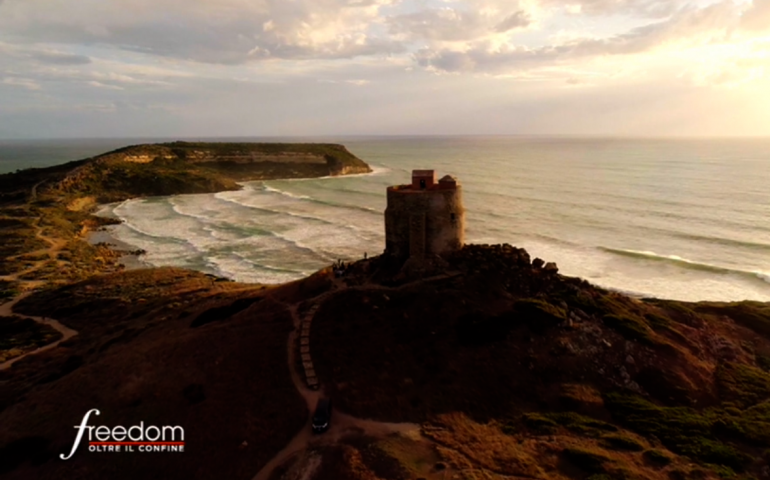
{"type": "Point", "coordinates": [96, 84]}
{"type": "Point", "coordinates": [757, 17]}
{"type": "Point", "coordinates": [639, 8]}
{"type": "Point", "coordinates": [465, 21]}
{"type": "Point", "coordinates": [358, 82]}
{"type": "Point", "coordinates": [26, 83]}
{"type": "Point", "coordinates": [366, 63]}
{"type": "Point", "coordinates": [453, 24]}
{"type": "Point", "coordinates": [515, 20]}
{"type": "Point", "coordinates": [42, 55]}
{"type": "Point", "coordinates": [223, 32]}
{"type": "Point", "coordinates": [57, 58]}
{"type": "Point", "coordinates": [692, 25]}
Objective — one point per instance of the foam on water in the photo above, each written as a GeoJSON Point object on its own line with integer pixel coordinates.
{"type": "Point", "coordinates": [764, 276]}
{"type": "Point", "coordinates": [281, 192]}
{"type": "Point", "coordinates": [685, 263]}
{"type": "Point", "coordinates": [260, 234]}
{"type": "Point", "coordinates": [660, 218]}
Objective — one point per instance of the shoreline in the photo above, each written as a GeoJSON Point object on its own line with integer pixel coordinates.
{"type": "Point", "coordinates": [130, 261]}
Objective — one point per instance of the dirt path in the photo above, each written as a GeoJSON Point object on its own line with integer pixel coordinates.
{"type": "Point", "coordinates": [6, 310]}
{"type": "Point", "coordinates": [342, 424]}
{"type": "Point", "coordinates": [56, 246]}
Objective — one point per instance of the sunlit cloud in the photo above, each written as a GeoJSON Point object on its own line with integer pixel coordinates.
{"type": "Point", "coordinates": [208, 65]}
{"type": "Point", "coordinates": [26, 83]}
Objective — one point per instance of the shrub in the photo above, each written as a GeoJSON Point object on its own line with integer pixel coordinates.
{"type": "Point", "coordinates": [539, 423]}
{"type": "Point", "coordinates": [656, 457]}
{"type": "Point", "coordinates": [622, 442]}
{"type": "Point", "coordinates": [656, 321]}
{"type": "Point", "coordinates": [631, 328]}
{"type": "Point", "coordinates": [744, 384]}
{"type": "Point", "coordinates": [763, 362]}
{"type": "Point", "coordinates": [753, 315]}
{"type": "Point", "coordinates": [538, 315]}
{"type": "Point", "coordinates": [545, 423]}
{"type": "Point", "coordinates": [683, 430]}
{"type": "Point", "coordinates": [588, 460]}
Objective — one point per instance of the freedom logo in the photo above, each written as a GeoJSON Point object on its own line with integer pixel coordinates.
{"type": "Point", "coordinates": [137, 438]}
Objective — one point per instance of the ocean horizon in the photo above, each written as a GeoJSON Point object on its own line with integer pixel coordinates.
{"type": "Point", "coordinates": [680, 218]}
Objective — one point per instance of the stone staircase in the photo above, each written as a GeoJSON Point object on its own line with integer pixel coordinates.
{"type": "Point", "coordinates": [304, 348]}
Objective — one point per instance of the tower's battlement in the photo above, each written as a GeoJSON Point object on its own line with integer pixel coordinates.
{"type": "Point", "coordinates": [425, 217]}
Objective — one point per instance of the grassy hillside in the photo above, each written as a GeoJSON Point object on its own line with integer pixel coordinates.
{"type": "Point", "coordinates": [139, 356]}
{"type": "Point", "coordinates": [512, 371]}
{"type": "Point", "coordinates": [534, 355]}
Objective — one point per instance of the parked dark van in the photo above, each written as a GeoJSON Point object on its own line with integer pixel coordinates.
{"type": "Point", "coordinates": [323, 415]}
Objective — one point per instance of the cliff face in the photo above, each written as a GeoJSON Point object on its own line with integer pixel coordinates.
{"type": "Point", "coordinates": [182, 167]}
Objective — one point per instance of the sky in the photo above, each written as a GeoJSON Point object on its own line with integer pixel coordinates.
{"type": "Point", "coordinates": [186, 68]}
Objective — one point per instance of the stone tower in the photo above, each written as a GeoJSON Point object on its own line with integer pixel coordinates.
{"type": "Point", "coordinates": [425, 218]}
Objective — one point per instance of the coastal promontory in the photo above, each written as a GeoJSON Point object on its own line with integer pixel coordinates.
{"type": "Point", "coordinates": [185, 167]}
{"type": "Point", "coordinates": [47, 213]}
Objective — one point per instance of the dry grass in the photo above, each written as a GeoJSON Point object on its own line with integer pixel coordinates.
{"type": "Point", "coordinates": [418, 456]}
{"type": "Point", "coordinates": [470, 445]}
{"type": "Point", "coordinates": [344, 462]}
{"type": "Point", "coordinates": [581, 397]}
{"type": "Point", "coordinates": [484, 451]}
{"type": "Point", "coordinates": [20, 335]}
{"type": "Point", "coordinates": [137, 358]}
{"type": "Point", "coordinates": [465, 344]}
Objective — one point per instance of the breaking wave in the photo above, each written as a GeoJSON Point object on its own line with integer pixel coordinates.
{"type": "Point", "coordinates": [283, 192]}
{"type": "Point", "coordinates": [688, 264]}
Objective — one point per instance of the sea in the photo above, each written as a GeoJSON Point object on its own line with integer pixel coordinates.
{"type": "Point", "coordinates": [685, 219]}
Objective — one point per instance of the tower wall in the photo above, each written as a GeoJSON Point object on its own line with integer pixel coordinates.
{"type": "Point", "coordinates": [445, 228]}
{"type": "Point", "coordinates": [424, 222]}
{"type": "Point", "coordinates": [397, 224]}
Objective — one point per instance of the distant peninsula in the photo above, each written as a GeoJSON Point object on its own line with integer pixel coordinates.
{"type": "Point", "coordinates": [184, 167]}
{"type": "Point", "coordinates": [46, 213]}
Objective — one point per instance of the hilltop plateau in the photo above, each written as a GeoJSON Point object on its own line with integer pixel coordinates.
{"type": "Point", "coordinates": [505, 369]}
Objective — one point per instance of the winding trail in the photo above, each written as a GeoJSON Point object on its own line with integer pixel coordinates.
{"type": "Point", "coordinates": [342, 424]}
{"type": "Point", "coordinates": [6, 310]}
{"type": "Point", "coordinates": [56, 246]}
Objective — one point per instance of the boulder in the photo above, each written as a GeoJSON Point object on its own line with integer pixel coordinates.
{"type": "Point", "coordinates": [524, 260]}
{"type": "Point", "coordinates": [551, 267]}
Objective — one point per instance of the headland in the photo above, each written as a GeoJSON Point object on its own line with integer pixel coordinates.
{"type": "Point", "coordinates": [46, 213]}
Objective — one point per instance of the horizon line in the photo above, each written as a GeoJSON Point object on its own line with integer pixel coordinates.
{"type": "Point", "coordinates": [396, 135]}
